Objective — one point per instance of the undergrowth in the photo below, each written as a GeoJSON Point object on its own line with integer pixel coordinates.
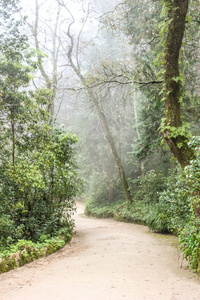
{"type": "Point", "coordinates": [133, 213]}
{"type": "Point", "coordinates": [102, 209]}
{"type": "Point", "coordinates": [23, 252]}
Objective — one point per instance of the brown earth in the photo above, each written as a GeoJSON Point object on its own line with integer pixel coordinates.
{"type": "Point", "coordinates": [106, 260]}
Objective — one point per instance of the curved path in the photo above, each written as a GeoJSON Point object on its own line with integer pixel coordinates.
{"type": "Point", "coordinates": [106, 260]}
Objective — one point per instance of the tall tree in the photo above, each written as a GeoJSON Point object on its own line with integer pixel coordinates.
{"type": "Point", "coordinates": [72, 55]}
{"type": "Point", "coordinates": [46, 42]}
{"type": "Point", "coordinates": [37, 169]}
{"type": "Point", "coordinates": [14, 72]}
{"type": "Point", "coordinates": [175, 133]}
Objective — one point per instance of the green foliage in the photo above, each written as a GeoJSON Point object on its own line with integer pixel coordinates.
{"type": "Point", "coordinates": [173, 208]}
{"type": "Point", "coordinates": [41, 189]}
{"type": "Point", "coordinates": [147, 188]}
{"type": "Point", "coordinates": [174, 132]}
{"type": "Point", "coordinates": [190, 236]}
{"type": "Point", "coordinates": [10, 23]}
{"type": "Point", "coordinates": [24, 251]}
{"type": "Point", "coordinates": [189, 240]}
{"type": "Point", "coordinates": [41, 185]}
{"type": "Point", "coordinates": [7, 264]}
{"type": "Point", "coordinates": [150, 113]}
{"type": "Point", "coordinates": [192, 171]}
{"type": "Point", "coordinates": [54, 245]}
{"type": "Point", "coordinates": [140, 19]}
{"type": "Point", "coordinates": [65, 233]}
{"type": "Point", "coordinates": [98, 182]}
{"type": "Point", "coordinates": [7, 229]}
{"type": "Point", "coordinates": [38, 173]}
{"type": "Point", "coordinates": [99, 189]}
{"type": "Point", "coordinates": [133, 213]}
{"type": "Point", "coordinates": [145, 191]}
{"type": "Point", "coordinates": [102, 209]}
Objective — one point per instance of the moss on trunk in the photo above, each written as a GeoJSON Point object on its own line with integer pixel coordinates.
{"type": "Point", "coordinates": [177, 10]}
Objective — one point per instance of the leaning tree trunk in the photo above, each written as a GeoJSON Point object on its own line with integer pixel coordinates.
{"type": "Point", "coordinates": [177, 10]}
{"type": "Point", "coordinates": [116, 156]}
{"type": "Point", "coordinates": [107, 131]}
{"type": "Point", "coordinates": [178, 142]}
{"type": "Point", "coordinates": [111, 142]}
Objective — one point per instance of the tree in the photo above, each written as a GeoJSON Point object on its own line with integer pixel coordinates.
{"type": "Point", "coordinates": [72, 57]}
{"type": "Point", "coordinates": [171, 30]}
{"type": "Point", "coordinates": [38, 175]}
{"type": "Point", "coordinates": [15, 67]}
{"type": "Point", "coordinates": [51, 48]}
{"type": "Point", "coordinates": [175, 132]}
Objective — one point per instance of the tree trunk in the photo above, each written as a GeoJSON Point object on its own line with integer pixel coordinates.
{"type": "Point", "coordinates": [51, 83]}
{"type": "Point", "coordinates": [138, 132]}
{"type": "Point", "coordinates": [107, 131]}
{"type": "Point", "coordinates": [177, 10]}
{"type": "Point", "coordinates": [111, 178]}
{"type": "Point", "coordinates": [76, 68]}
{"type": "Point", "coordinates": [117, 158]}
{"type": "Point", "coordinates": [13, 143]}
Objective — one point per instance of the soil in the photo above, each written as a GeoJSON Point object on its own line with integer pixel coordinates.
{"type": "Point", "coordinates": [106, 260]}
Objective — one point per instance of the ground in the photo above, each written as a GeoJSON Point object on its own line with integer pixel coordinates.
{"type": "Point", "coordinates": [106, 260]}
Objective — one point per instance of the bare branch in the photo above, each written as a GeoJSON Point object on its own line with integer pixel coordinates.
{"type": "Point", "coordinates": [79, 36]}
{"type": "Point", "coordinates": [35, 32]}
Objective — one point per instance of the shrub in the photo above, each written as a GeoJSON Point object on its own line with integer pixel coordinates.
{"type": "Point", "coordinates": [145, 191]}
{"type": "Point", "coordinates": [7, 230]}
{"type": "Point", "coordinates": [190, 235]}
{"type": "Point", "coordinates": [102, 210]}
{"type": "Point", "coordinates": [24, 251]}
{"type": "Point", "coordinates": [65, 233]}
{"type": "Point", "coordinates": [37, 194]}
{"type": "Point", "coordinates": [147, 188]}
{"type": "Point", "coordinates": [189, 240]}
{"type": "Point", "coordinates": [133, 213]}
{"type": "Point", "coordinates": [173, 209]}
{"type": "Point", "coordinates": [7, 264]}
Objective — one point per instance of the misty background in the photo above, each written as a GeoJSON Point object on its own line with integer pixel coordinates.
{"type": "Point", "coordinates": [95, 63]}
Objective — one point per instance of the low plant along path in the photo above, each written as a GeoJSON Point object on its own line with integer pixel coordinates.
{"type": "Point", "coordinates": [106, 260]}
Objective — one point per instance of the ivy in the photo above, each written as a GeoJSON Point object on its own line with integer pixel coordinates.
{"type": "Point", "coordinates": [174, 132]}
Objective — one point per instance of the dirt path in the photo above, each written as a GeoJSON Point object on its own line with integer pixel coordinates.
{"type": "Point", "coordinates": [106, 260]}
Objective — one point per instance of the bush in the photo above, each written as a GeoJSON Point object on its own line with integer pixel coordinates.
{"type": "Point", "coordinates": [147, 188]}
{"type": "Point", "coordinates": [190, 235]}
{"type": "Point", "coordinates": [145, 191]}
{"type": "Point", "coordinates": [37, 194]}
{"type": "Point", "coordinates": [133, 213]}
{"type": "Point", "coordinates": [65, 233]}
{"type": "Point", "coordinates": [102, 210]}
{"type": "Point", "coordinates": [24, 252]}
{"type": "Point", "coordinates": [173, 209]}
{"type": "Point", "coordinates": [189, 240]}
{"type": "Point", "coordinates": [7, 230]}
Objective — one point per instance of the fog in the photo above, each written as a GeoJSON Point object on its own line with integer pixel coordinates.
{"type": "Point", "coordinates": [88, 62]}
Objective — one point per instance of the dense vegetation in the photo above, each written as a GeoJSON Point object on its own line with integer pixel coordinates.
{"type": "Point", "coordinates": [38, 174]}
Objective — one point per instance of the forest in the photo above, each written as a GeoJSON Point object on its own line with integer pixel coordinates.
{"type": "Point", "coordinates": [99, 102]}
